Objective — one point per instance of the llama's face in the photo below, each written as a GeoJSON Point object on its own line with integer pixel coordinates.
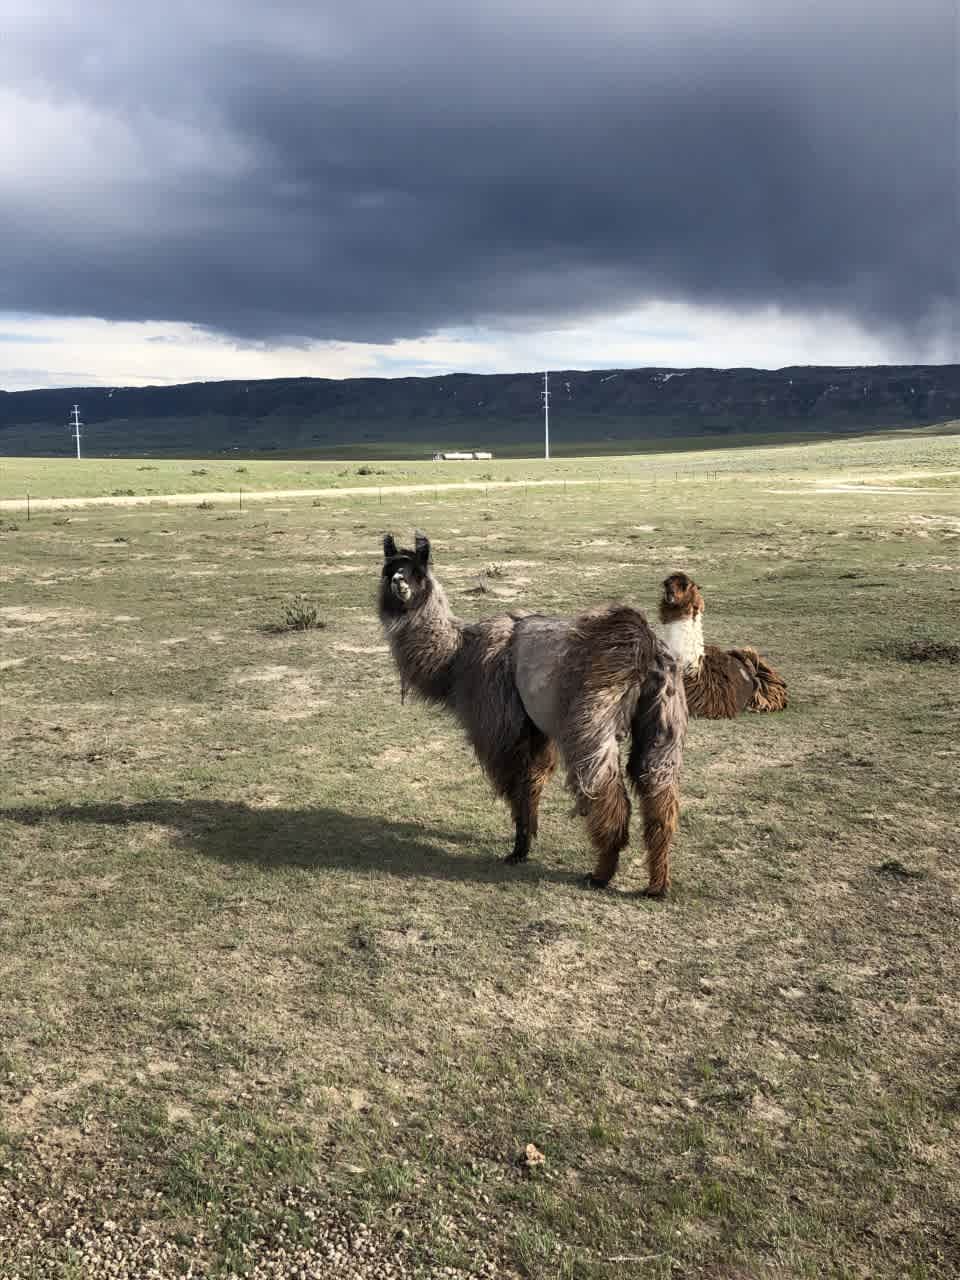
{"type": "Point", "coordinates": [405, 577]}
{"type": "Point", "coordinates": [681, 596]}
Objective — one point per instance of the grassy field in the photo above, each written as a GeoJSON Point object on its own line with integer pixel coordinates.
{"type": "Point", "coordinates": [930, 449]}
{"type": "Point", "coordinates": [268, 999]}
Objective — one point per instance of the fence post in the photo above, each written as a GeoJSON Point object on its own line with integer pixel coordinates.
{"type": "Point", "coordinates": [241, 499]}
{"type": "Point", "coordinates": [28, 506]}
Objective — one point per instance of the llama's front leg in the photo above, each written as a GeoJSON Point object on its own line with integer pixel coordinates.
{"type": "Point", "coordinates": [521, 842]}
{"type": "Point", "coordinates": [528, 777]}
{"type": "Point", "coordinates": [523, 806]}
{"type": "Point", "coordinates": [512, 780]}
{"type": "Point", "coordinates": [543, 761]}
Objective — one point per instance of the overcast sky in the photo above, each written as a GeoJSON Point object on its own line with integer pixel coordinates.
{"type": "Point", "coordinates": [230, 188]}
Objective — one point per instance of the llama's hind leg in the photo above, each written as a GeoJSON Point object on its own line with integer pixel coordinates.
{"type": "Point", "coordinates": [661, 813]}
{"type": "Point", "coordinates": [595, 778]}
{"type": "Point", "coordinates": [608, 822]}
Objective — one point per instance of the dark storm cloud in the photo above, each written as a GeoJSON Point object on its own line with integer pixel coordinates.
{"type": "Point", "coordinates": [373, 170]}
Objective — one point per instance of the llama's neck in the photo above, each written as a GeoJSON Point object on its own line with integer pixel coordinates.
{"type": "Point", "coordinates": [684, 638]}
{"type": "Point", "coordinates": [425, 643]}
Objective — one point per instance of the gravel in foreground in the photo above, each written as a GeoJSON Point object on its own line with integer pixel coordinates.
{"type": "Point", "coordinates": [41, 1238]}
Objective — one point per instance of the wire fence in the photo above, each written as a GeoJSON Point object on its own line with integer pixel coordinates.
{"type": "Point", "coordinates": [29, 504]}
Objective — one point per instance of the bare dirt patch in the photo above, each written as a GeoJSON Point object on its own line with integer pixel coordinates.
{"type": "Point", "coordinates": [45, 616]}
{"type": "Point", "coordinates": [929, 651]}
{"type": "Point", "coordinates": [265, 675]}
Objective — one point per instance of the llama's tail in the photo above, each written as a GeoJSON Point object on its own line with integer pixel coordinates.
{"type": "Point", "coordinates": [770, 688]}
{"type": "Point", "coordinates": [620, 677]}
{"type": "Point", "coordinates": [658, 728]}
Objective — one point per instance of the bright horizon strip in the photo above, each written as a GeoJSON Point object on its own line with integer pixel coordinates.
{"type": "Point", "coordinates": [50, 351]}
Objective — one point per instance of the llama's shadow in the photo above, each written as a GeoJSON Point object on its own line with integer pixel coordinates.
{"type": "Point", "coordinates": [233, 832]}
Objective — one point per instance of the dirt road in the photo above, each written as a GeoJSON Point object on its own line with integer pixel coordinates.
{"type": "Point", "coordinates": [259, 495]}
{"type": "Point", "coordinates": [19, 505]}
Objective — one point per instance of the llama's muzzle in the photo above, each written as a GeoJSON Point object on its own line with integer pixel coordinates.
{"type": "Point", "coordinates": [400, 586]}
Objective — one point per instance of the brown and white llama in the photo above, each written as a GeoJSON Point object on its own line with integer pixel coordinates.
{"type": "Point", "coordinates": [526, 688]}
{"type": "Point", "coordinates": [720, 683]}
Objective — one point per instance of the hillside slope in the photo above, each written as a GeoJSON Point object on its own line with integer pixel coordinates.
{"type": "Point", "coordinates": [602, 407]}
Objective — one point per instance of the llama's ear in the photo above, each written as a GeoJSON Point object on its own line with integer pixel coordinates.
{"type": "Point", "coordinates": [422, 546]}
{"type": "Point", "coordinates": [389, 546]}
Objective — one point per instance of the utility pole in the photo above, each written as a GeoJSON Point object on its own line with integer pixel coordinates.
{"type": "Point", "coordinates": [75, 425]}
{"type": "Point", "coordinates": [546, 415]}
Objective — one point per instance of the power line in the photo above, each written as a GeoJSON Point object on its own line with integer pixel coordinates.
{"type": "Point", "coordinates": [75, 425]}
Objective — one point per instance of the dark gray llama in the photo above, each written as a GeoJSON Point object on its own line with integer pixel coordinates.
{"type": "Point", "coordinates": [526, 687]}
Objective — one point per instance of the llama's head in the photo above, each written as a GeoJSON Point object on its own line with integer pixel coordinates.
{"type": "Point", "coordinates": [405, 581]}
{"type": "Point", "coordinates": [681, 598]}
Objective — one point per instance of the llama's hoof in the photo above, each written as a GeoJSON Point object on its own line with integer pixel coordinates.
{"type": "Point", "coordinates": [656, 894]}
{"type": "Point", "coordinates": [513, 858]}
{"type": "Point", "coordinates": [591, 882]}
